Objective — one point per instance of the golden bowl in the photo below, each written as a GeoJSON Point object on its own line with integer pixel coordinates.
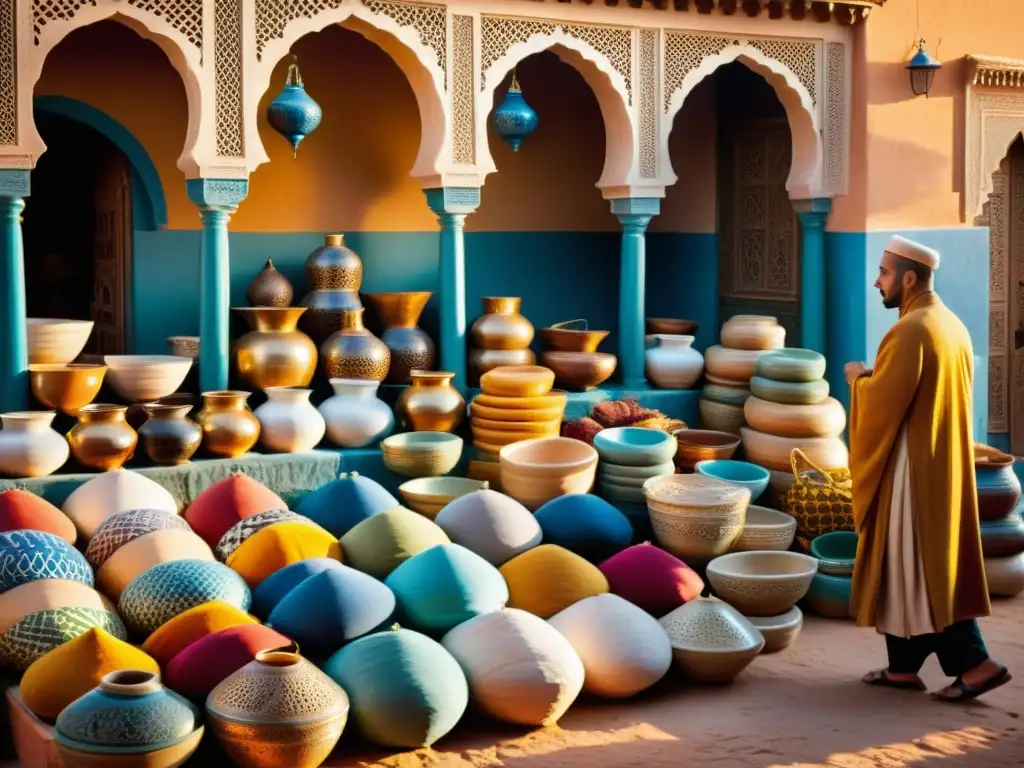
{"type": "Point", "coordinates": [518, 381]}
{"type": "Point", "coordinates": [570, 340]}
{"type": "Point", "coordinates": [66, 386]}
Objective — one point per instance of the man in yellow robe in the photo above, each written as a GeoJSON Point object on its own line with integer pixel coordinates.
{"type": "Point", "coordinates": [919, 578]}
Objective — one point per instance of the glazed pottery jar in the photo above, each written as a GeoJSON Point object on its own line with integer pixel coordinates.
{"type": "Point", "coordinates": [169, 436]}
{"type": "Point", "coordinates": [102, 439]}
{"type": "Point", "coordinates": [278, 711]}
{"type": "Point", "coordinates": [501, 326]}
{"type": "Point", "coordinates": [270, 288]}
{"type": "Point", "coordinates": [674, 363]}
{"type": "Point", "coordinates": [411, 348]}
{"type": "Point", "coordinates": [353, 352]}
{"type": "Point", "coordinates": [999, 490]}
{"type": "Point", "coordinates": [66, 386]}
{"type": "Point", "coordinates": [355, 416]}
{"type": "Point", "coordinates": [29, 446]}
{"type": "Point", "coordinates": [431, 403]}
{"type": "Point", "coordinates": [229, 428]}
{"type": "Point", "coordinates": [753, 332]}
{"type": "Point", "coordinates": [334, 274]}
{"type": "Point", "coordinates": [274, 353]}
{"type": "Point", "coordinates": [1005, 575]}
{"type": "Point", "coordinates": [288, 421]}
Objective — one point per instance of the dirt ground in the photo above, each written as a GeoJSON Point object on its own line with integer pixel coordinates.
{"type": "Point", "coordinates": [802, 708]}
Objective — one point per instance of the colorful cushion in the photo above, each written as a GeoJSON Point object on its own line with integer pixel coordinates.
{"type": "Point", "coordinates": [406, 690]}
{"type": "Point", "coordinates": [141, 554]}
{"type": "Point", "coordinates": [158, 595]}
{"type": "Point", "coordinates": [332, 608]}
{"type": "Point", "coordinates": [550, 578]}
{"type": "Point", "coordinates": [23, 509]}
{"type": "Point", "coordinates": [238, 533]}
{"type": "Point", "coordinates": [651, 578]}
{"type": "Point", "coordinates": [514, 651]}
{"type": "Point", "coordinates": [624, 649]}
{"type": "Point", "coordinates": [495, 526]}
{"type": "Point", "coordinates": [272, 590]}
{"type": "Point", "coordinates": [344, 503]}
{"type": "Point", "coordinates": [56, 679]}
{"type": "Point", "coordinates": [120, 529]}
{"type": "Point", "coordinates": [27, 556]}
{"type": "Point", "coordinates": [384, 541]}
{"type": "Point", "coordinates": [112, 493]}
{"type": "Point", "coordinates": [585, 524]}
{"type": "Point", "coordinates": [226, 502]}
{"type": "Point", "coordinates": [40, 632]}
{"type": "Point", "coordinates": [192, 625]}
{"type": "Point", "coordinates": [47, 594]}
{"type": "Point", "coordinates": [279, 546]}
{"type": "Point", "coordinates": [196, 670]}
{"type": "Point", "coordinates": [445, 586]}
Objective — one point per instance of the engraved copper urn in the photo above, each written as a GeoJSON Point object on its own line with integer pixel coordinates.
{"type": "Point", "coordinates": [334, 274]}
{"type": "Point", "coordinates": [352, 352]}
{"type": "Point", "coordinates": [411, 347]}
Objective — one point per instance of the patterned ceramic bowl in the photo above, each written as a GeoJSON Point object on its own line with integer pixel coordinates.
{"type": "Point", "coordinates": [762, 583]}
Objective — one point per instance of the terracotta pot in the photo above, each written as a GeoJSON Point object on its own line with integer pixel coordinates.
{"type": "Point", "coordinates": [270, 288]}
{"type": "Point", "coordinates": [757, 332]}
{"type": "Point", "coordinates": [580, 371]}
{"type": "Point", "coordinates": [288, 421]}
{"type": "Point", "coordinates": [999, 490]}
{"type": "Point", "coordinates": [774, 452]}
{"type": "Point", "coordinates": [826, 419]}
{"type": "Point", "coordinates": [230, 429]}
{"type": "Point", "coordinates": [737, 365]}
{"type": "Point", "coordinates": [483, 360]}
{"type": "Point", "coordinates": [1003, 537]}
{"type": "Point", "coordinates": [721, 417]}
{"type": "Point", "coordinates": [29, 446]}
{"type": "Point", "coordinates": [66, 386]}
{"type": "Point", "coordinates": [353, 352]}
{"type": "Point", "coordinates": [169, 436]}
{"type": "Point", "coordinates": [102, 439]}
{"type": "Point", "coordinates": [535, 471]}
{"type": "Point", "coordinates": [501, 326]}
{"type": "Point", "coordinates": [334, 274]}
{"type": "Point", "coordinates": [671, 325]}
{"type": "Point", "coordinates": [1005, 575]}
{"type": "Point", "coordinates": [355, 416]}
{"type": "Point", "coordinates": [411, 348]}
{"type": "Point", "coordinates": [703, 445]}
{"type": "Point", "coordinates": [274, 353]}
{"type": "Point", "coordinates": [431, 403]}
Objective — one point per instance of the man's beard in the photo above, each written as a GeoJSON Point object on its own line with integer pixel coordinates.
{"type": "Point", "coordinates": [894, 299]}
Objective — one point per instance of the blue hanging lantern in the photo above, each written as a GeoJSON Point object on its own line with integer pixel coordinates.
{"type": "Point", "coordinates": [922, 68]}
{"type": "Point", "coordinates": [514, 119]}
{"type": "Point", "coordinates": [293, 113]}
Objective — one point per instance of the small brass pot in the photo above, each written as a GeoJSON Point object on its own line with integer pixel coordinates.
{"type": "Point", "coordinates": [169, 437]}
{"type": "Point", "coordinates": [353, 352]}
{"type": "Point", "coordinates": [274, 353]}
{"type": "Point", "coordinates": [230, 429]}
{"type": "Point", "coordinates": [431, 403]}
{"type": "Point", "coordinates": [103, 439]}
{"type": "Point", "coordinates": [411, 348]}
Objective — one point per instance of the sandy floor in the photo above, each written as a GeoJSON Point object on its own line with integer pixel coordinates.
{"type": "Point", "coordinates": [803, 708]}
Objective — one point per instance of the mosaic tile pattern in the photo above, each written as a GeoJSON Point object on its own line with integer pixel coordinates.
{"type": "Point", "coordinates": [27, 556]}
{"type": "Point", "coordinates": [42, 631]}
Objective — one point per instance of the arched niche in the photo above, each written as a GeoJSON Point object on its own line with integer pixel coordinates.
{"type": "Point", "coordinates": [994, 120]}
{"type": "Point", "coordinates": [805, 174]}
{"type": "Point", "coordinates": [608, 86]}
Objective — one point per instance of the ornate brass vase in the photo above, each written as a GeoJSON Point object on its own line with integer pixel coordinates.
{"type": "Point", "coordinates": [411, 347]}
{"type": "Point", "coordinates": [500, 336]}
{"type": "Point", "coordinates": [431, 403]}
{"type": "Point", "coordinates": [353, 352]}
{"type": "Point", "coordinates": [169, 436]}
{"type": "Point", "coordinates": [102, 439]}
{"type": "Point", "coordinates": [230, 429]}
{"type": "Point", "coordinates": [270, 288]}
{"type": "Point", "coordinates": [274, 353]}
{"type": "Point", "coordinates": [334, 274]}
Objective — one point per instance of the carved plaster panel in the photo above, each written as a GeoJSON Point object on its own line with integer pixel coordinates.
{"type": "Point", "coordinates": [650, 64]}
{"type": "Point", "coordinates": [837, 135]}
{"type": "Point", "coordinates": [8, 75]}
{"type": "Point", "coordinates": [463, 112]}
{"type": "Point", "coordinates": [228, 77]}
{"type": "Point", "coordinates": [995, 216]}
{"type": "Point", "coordinates": [185, 16]}
{"type": "Point", "coordinates": [994, 118]}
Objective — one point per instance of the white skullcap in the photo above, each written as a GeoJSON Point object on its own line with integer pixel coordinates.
{"type": "Point", "coordinates": [908, 249]}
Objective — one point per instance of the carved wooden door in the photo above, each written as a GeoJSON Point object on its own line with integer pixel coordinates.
{"type": "Point", "coordinates": [759, 232]}
{"type": "Point", "coordinates": [112, 254]}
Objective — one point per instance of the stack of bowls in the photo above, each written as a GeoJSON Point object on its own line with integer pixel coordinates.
{"type": "Point", "coordinates": [421, 454]}
{"type": "Point", "coordinates": [629, 456]}
{"type": "Point", "coordinates": [572, 355]}
{"type": "Point", "coordinates": [742, 473]}
{"type": "Point", "coordinates": [829, 595]}
{"type": "Point", "coordinates": [1002, 521]}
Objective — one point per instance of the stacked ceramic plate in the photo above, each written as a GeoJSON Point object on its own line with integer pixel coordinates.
{"type": "Point", "coordinates": [628, 457]}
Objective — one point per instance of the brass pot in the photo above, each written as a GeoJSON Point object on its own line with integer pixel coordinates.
{"type": "Point", "coordinates": [431, 403]}
{"type": "Point", "coordinates": [66, 386]}
{"type": "Point", "coordinates": [483, 360]}
{"type": "Point", "coordinates": [411, 348]}
{"type": "Point", "coordinates": [102, 439]}
{"type": "Point", "coordinates": [334, 274]}
{"type": "Point", "coordinates": [501, 326]}
{"type": "Point", "coordinates": [274, 353]}
{"type": "Point", "coordinates": [169, 436]}
{"type": "Point", "coordinates": [270, 288]}
{"type": "Point", "coordinates": [230, 429]}
{"type": "Point", "coordinates": [353, 352]}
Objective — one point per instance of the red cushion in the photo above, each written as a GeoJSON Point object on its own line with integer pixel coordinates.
{"type": "Point", "coordinates": [651, 578]}
{"type": "Point", "coordinates": [23, 509]}
{"type": "Point", "coordinates": [226, 502]}
{"type": "Point", "coordinates": [198, 668]}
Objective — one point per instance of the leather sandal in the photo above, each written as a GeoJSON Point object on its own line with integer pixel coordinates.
{"type": "Point", "coordinates": [962, 692]}
{"type": "Point", "coordinates": [880, 677]}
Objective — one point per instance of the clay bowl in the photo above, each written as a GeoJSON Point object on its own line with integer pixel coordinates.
{"type": "Point", "coordinates": [671, 325]}
{"type": "Point", "coordinates": [695, 517]}
{"type": "Point", "coordinates": [765, 530]}
{"type": "Point", "coordinates": [66, 386]}
{"type": "Point", "coordinates": [421, 454]}
{"type": "Point", "coordinates": [56, 341]}
{"type": "Point", "coordinates": [535, 471]}
{"type": "Point", "coordinates": [779, 632]}
{"type": "Point", "coordinates": [1005, 575]}
{"type": "Point", "coordinates": [139, 378]}
{"type": "Point", "coordinates": [836, 552]}
{"type": "Point", "coordinates": [632, 477]}
{"type": "Point", "coordinates": [703, 445]}
{"type": "Point", "coordinates": [429, 495]}
{"type": "Point", "coordinates": [762, 583]}
{"type": "Point", "coordinates": [829, 596]}
{"type": "Point", "coordinates": [750, 476]}
{"type": "Point", "coordinates": [580, 371]}
{"type": "Point", "coordinates": [572, 340]}
{"type": "Point", "coordinates": [616, 493]}
{"type": "Point", "coordinates": [519, 381]}
{"type": "Point", "coordinates": [635, 446]}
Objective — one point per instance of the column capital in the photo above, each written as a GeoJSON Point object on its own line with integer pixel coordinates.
{"type": "Point", "coordinates": [218, 194]}
{"type": "Point", "coordinates": [15, 182]}
{"type": "Point", "coordinates": [447, 200]}
{"type": "Point", "coordinates": [635, 213]}
{"type": "Point", "coordinates": [812, 211]}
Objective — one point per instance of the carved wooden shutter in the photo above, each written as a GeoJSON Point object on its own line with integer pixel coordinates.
{"type": "Point", "coordinates": [113, 247]}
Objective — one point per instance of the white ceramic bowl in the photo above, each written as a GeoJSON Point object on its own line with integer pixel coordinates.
{"type": "Point", "coordinates": [766, 529]}
{"type": "Point", "coordinates": [140, 378]}
{"type": "Point", "coordinates": [56, 341]}
{"type": "Point", "coordinates": [762, 583]}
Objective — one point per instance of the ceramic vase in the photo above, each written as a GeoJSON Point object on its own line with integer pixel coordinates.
{"type": "Point", "coordinates": [431, 403]}
{"type": "Point", "coordinates": [230, 429]}
{"type": "Point", "coordinates": [169, 437]}
{"type": "Point", "coordinates": [711, 641]}
{"type": "Point", "coordinates": [278, 711]}
{"type": "Point", "coordinates": [274, 353]}
{"type": "Point", "coordinates": [29, 446]}
{"type": "Point", "coordinates": [999, 489]}
{"type": "Point", "coordinates": [674, 363]}
{"type": "Point", "coordinates": [411, 348]}
{"type": "Point", "coordinates": [501, 326]}
{"type": "Point", "coordinates": [102, 439]}
{"type": "Point", "coordinates": [355, 416]}
{"type": "Point", "coordinates": [270, 288]}
{"type": "Point", "coordinates": [353, 352]}
{"type": "Point", "coordinates": [288, 421]}
{"type": "Point", "coordinates": [334, 274]}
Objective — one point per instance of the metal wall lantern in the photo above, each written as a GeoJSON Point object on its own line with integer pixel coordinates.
{"type": "Point", "coordinates": [922, 68]}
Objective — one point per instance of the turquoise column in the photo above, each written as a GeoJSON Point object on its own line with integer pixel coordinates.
{"type": "Point", "coordinates": [217, 199]}
{"type": "Point", "coordinates": [14, 187]}
{"type": "Point", "coordinates": [452, 205]}
{"type": "Point", "coordinates": [813, 324]}
{"type": "Point", "coordinates": [635, 214]}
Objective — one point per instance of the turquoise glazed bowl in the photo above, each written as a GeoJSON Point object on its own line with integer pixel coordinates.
{"type": "Point", "coordinates": [829, 596]}
{"type": "Point", "coordinates": [999, 490]}
{"type": "Point", "coordinates": [27, 556]}
{"type": "Point", "coordinates": [836, 552]}
{"type": "Point", "coordinates": [750, 476]}
{"type": "Point", "coordinates": [635, 446]}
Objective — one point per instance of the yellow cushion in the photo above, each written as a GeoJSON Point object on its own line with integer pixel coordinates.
{"type": "Point", "coordinates": [549, 578]}
{"type": "Point", "coordinates": [71, 670]}
{"type": "Point", "coordinates": [279, 545]}
{"type": "Point", "coordinates": [185, 628]}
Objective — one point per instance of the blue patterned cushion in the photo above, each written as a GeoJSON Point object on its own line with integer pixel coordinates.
{"type": "Point", "coordinates": [116, 531]}
{"type": "Point", "coordinates": [27, 556]}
